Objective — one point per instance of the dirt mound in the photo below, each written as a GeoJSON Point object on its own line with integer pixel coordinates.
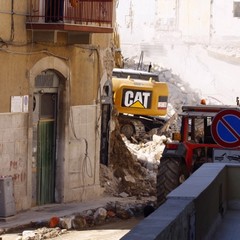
{"type": "Point", "coordinates": [124, 174]}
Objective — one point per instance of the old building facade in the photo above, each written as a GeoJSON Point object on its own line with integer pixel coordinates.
{"type": "Point", "coordinates": [56, 60]}
{"type": "Point", "coordinates": [181, 20]}
{"type": "Point", "coordinates": [197, 40]}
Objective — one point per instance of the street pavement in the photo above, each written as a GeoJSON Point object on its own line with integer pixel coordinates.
{"type": "Point", "coordinates": [46, 212]}
{"type": "Point", "coordinates": [112, 231]}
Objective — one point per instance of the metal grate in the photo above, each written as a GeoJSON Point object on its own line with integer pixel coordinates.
{"type": "Point", "coordinates": [42, 81]}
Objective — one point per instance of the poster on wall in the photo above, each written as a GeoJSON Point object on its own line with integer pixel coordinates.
{"type": "Point", "coordinates": [19, 103]}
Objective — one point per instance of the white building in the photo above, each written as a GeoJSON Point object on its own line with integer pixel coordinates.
{"type": "Point", "coordinates": [177, 34]}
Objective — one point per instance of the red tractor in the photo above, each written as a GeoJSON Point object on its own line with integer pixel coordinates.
{"type": "Point", "coordinates": [209, 133]}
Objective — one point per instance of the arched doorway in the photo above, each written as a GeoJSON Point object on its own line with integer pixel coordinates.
{"type": "Point", "coordinates": [49, 79]}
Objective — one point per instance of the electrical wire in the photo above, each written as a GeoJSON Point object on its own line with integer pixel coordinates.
{"type": "Point", "coordinates": [34, 52]}
{"type": "Point", "coordinates": [98, 94]}
{"type": "Point", "coordinates": [86, 159]}
{"type": "Point", "coordinates": [3, 43]}
{"type": "Point", "coordinates": [86, 156]}
{"type": "Point", "coordinates": [12, 22]}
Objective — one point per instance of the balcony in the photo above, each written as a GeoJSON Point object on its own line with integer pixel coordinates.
{"type": "Point", "coordinates": [89, 16]}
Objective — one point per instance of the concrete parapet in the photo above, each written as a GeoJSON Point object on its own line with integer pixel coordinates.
{"type": "Point", "coordinates": [174, 215]}
{"type": "Point", "coordinates": [195, 208]}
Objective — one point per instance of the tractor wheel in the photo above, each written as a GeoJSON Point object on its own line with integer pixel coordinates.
{"type": "Point", "coordinates": [171, 173]}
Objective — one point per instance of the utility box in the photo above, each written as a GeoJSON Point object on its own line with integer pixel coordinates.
{"type": "Point", "coordinates": [7, 202]}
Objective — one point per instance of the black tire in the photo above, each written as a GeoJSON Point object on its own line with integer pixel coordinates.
{"type": "Point", "coordinates": [170, 172]}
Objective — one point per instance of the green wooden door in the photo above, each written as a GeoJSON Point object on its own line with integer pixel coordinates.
{"type": "Point", "coordinates": [46, 152]}
{"type": "Point", "coordinates": [46, 162]}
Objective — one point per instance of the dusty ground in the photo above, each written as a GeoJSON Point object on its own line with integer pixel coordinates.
{"type": "Point", "coordinates": [110, 231]}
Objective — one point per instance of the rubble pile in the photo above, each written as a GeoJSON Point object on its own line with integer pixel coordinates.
{"type": "Point", "coordinates": [132, 167]}
{"type": "Point", "coordinates": [128, 172]}
{"type": "Point", "coordinates": [41, 233]}
{"type": "Point", "coordinates": [113, 211]}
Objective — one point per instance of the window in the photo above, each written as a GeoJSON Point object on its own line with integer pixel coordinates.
{"type": "Point", "coordinates": [236, 9]}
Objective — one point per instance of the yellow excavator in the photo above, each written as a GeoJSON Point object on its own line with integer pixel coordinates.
{"type": "Point", "coordinates": [140, 100]}
{"type": "Point", "coordinates": [139, 97]}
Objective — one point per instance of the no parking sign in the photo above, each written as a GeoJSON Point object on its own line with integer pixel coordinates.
{"type": "Point", "coordinates": [226, 128]}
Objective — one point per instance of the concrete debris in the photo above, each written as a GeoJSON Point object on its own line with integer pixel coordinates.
{"type": "Point", "coordinates": [79, 222]}
{"type": "Point", "coordinates": [133, 166]}
{"type": "Point", "coordinates": [66, 222]}
{"type": "Point", "coordinates": [129, 178]}
{"type": "Point", "coordinates": [111, 214]}
{"type": "Point", "coordinates": [28, 235]}
{"type": "Point", "coordinates": [89, 212]}
{"type": "Point", "coordinates": [123, 195]}
{"type": "Point", "coordinates": [127, 172]}
{"type": "Point", "coordinates": [100, 215]}
{"type": "Point", "coordinates": [90, 218]}
{"type": "Point", "coordinates": [124, 212]}
{"type": "Point", "coordinates": [42, 233]}
{"type": "Point", "coordinates": [148, 154]}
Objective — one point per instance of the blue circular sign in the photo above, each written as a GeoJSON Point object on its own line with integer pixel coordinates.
{"type": "Point", "coordinates": [226, 128]}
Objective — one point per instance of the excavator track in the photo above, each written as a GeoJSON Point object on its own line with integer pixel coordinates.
{"type": "Point", "coordinates": [131, 127]}
{"type": "Point", "coordinates": [137, 127]}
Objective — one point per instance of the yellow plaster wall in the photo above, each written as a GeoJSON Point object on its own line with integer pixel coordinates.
{"type": "Point", "coordinates": [22, 59]}
{"type": "Point", "coordinates": [13, 79]}
{"type": "Point", "coordinates": [13, 25]}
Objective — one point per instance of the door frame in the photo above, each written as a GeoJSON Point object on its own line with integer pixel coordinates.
{"type": "Point", "coordinates": [61, 68]}
{"type": "Point", "coordinates": [43, 117]}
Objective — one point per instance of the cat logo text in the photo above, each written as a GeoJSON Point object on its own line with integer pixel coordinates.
{"type": "Point", "coordinates": [136, 99]}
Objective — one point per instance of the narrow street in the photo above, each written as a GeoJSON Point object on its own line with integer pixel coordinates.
{"type": "Point", "coordinates": [110, 231]}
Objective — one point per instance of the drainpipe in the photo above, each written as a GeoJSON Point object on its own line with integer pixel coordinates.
{"type": "Point", "coordinates": [12, 21]}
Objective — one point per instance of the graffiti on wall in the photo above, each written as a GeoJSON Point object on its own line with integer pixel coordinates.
{"type": "Point", "coordinates": [17, 170]}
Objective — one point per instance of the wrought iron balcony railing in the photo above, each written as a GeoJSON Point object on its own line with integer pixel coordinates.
{"type": "Point", "coordinates": [88, 13]}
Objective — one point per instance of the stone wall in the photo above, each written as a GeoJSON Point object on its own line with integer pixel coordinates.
{"type": "Point", "coordinates": [14, 154]}
{"type": "Point", "coordinates": [82, 173]}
